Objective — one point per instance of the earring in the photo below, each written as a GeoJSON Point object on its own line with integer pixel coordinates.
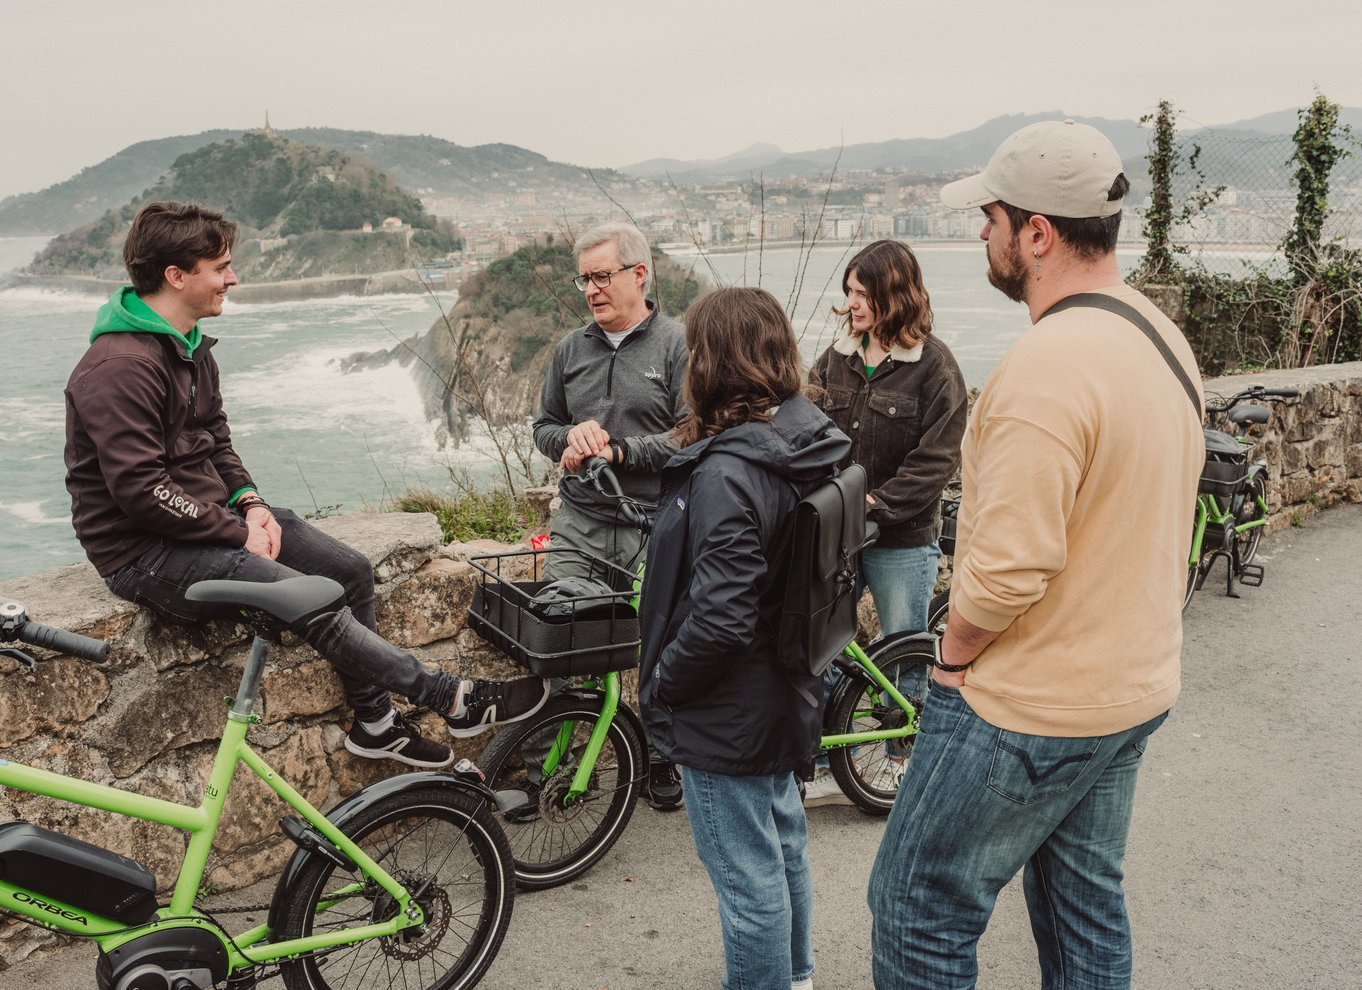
{"type": "Point", "coordinates": [1036, 255]}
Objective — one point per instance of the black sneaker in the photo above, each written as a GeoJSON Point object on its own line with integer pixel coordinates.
{"type": "Point", "coordinates": [664, 787]}
{"type": "Point", "coordinates": [400, 742]}
{"type": "Point", "coordinates": [491, 703]}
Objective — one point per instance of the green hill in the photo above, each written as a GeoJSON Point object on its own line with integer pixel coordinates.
{"type": "Point", "coordinates": [426, 165]}
{"type": "Point", "coordinates": [307, 204]}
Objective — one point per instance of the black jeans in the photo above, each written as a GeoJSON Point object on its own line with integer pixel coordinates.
{"type": "Point", "coordinates": [369, 666]}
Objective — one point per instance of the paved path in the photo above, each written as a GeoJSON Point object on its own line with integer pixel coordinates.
{"type": "Point", "coordinates": [1244, 868]}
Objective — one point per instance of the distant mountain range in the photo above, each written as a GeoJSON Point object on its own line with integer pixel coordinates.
{"type": "Point", "coordinates": [966, 150]}
{"type": "Point", "coordinates": [434, 169]}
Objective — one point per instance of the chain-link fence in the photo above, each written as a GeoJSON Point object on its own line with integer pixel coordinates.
{"type": "Point", "coordinates": [1252, 184]}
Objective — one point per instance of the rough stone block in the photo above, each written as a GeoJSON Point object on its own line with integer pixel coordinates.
{"type": "Point", "coordinates": [396, 543]}
{"type": "Point", "coordinates": [58, 698]}
{"type": "Point", "coordinates": [432, 604]}
{"type": "Point", "coordinates": [154, 713]}
{"type": "Point", "coordinates": [308, 689]}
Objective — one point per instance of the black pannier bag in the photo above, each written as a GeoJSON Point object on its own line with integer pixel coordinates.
{"type": "Point", "coordinates": [818, 615]}
{"type": "Point", "coordinates": [1226, 470]}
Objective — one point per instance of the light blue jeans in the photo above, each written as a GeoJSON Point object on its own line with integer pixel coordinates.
{"type": "Point", "coordinates": [751, 834]}
{"type": "Point", "coordinates": [980, 803]}
{"type": "Point", "coordinates": [901, 580]}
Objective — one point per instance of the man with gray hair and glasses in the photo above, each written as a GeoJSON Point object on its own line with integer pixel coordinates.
{"type": "Point", "coordinates": [613, 390]}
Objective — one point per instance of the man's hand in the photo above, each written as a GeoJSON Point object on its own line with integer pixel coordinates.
{"type": "Point", "coordinates": [263, 536]}
{"type": "Point", "coordinates": [588, 439]}
{"type": "Point", "coordinates": [962, 642]}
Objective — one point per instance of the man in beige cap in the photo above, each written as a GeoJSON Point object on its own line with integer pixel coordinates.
{"type": "Point", "coordinates": [1061, 652]}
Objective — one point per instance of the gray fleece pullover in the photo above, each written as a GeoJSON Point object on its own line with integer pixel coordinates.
{"type": "Point", "coordinates": [633, 391]}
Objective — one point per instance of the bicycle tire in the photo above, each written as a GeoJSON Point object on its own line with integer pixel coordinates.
{"type": "Point", "coordinates": [433, 834]}
{"type": "Point", "coordinates": [1249, 511]}
{"type": "Point", "coordinates": [937, 611]}
{"type": "Point", "coordinates": [561, 843]}
{"type": "Point", "coordinates": [870, 774]}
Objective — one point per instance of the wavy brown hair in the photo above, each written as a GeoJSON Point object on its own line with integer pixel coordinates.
{"type": "Point", "coordinates": [744, 361]}
{"type": "Point", "coordinates": [893, 283]}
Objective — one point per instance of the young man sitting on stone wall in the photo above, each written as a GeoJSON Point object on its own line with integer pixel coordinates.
{"type": "Point", "coordinates": [160, 500]}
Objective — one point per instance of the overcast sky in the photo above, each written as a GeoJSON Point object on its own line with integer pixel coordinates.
{"type": "Point", "coordinates": [611, 83]}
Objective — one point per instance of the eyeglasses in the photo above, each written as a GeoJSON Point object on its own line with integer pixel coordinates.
{"type": "Point", "coordinates": [599, 279]}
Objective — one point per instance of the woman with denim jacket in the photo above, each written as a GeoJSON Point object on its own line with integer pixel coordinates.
{"type": "Point", "coordinates": [896, 390]}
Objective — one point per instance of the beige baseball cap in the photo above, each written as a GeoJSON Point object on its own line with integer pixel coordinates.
{"type": "Point", "coordinates": [1057, 167]}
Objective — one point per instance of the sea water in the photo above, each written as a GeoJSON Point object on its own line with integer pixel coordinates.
{"type": "Point", "coordinates": [318, 440]}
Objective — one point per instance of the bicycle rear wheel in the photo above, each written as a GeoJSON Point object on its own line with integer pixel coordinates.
{"type": "Point", "coordinates": [870, 774]}
{"type": "Point", "coordinates": [1250, 510]}
{"type": "Point", "coordinates": [553, 840]}
{"type": "Point", "coordinates": [441, 842]}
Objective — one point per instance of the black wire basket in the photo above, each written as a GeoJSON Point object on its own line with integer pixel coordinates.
{"type": "Point", "coordinates": [575, 635]}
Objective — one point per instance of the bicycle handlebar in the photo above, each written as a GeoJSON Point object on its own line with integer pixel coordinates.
{"type": "Point", "coordinates": [15, 625]}
{"type": "Point", "coordinates": [597, 472]}
{"type": "Point", "coordinates": [1251, 393]}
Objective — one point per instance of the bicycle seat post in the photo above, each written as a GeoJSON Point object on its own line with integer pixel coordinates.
{"type": "Point", "coordinates": [251, 677]}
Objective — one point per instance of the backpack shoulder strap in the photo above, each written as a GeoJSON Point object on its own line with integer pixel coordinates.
{"type": "Point", "coordinates": [1099, 300]}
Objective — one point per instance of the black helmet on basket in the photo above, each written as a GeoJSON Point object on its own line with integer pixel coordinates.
{"type": "Point", "coordinates": [574, 598]}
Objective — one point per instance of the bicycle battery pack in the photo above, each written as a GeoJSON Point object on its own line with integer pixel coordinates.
{"type": "Point", "coordinates": [76, 873]}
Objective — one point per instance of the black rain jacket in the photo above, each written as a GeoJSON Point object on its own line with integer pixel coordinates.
{"type": "Point", "coordinates": [713, 692]}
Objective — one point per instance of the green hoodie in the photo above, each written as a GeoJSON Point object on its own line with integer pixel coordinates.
{"type": "Point", "coordinates": [126, 312]}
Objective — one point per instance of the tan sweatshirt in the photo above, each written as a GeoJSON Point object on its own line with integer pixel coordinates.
{"type": "Point", "coordinates": [1081, 461]}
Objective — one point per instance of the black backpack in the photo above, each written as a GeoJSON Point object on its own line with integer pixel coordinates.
{"type": "Point", "coordinates": [818, 615]}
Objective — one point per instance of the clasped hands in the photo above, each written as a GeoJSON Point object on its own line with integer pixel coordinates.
{"type": "Point", "coordinates": [586, 440]}
{"type": "Point", "coordinates": [263, 535]}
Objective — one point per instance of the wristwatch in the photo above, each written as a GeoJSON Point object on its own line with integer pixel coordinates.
{"type": "Point", "coordinates": [950, 668]}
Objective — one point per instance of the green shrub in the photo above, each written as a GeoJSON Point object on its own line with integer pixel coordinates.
{"type": "Point", "coordinates": [495, 515]}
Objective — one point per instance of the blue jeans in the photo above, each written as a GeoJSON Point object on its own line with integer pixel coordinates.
{"type": "Point", "coordinates": [369, 666]}
{"type": "Point", "coordinates": [751, 834]}
{"type": "Point", "coordinates": [901, 580]}
{"type": "Point", "coordinates": [980, 803]}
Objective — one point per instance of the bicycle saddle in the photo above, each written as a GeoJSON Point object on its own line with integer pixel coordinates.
{"type": "Point", "coordinates": [1240, 415]}
{"type": "Point", "coordinates": [290, 600]}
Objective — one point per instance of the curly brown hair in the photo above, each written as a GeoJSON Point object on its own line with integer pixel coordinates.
{"type": "Point", "coordinates": [744, 361]}
{"type": "Point", "coordinates": [889, 272]}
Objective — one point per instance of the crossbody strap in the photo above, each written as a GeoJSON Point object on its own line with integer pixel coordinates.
{"type": "Point", "coordinates": [1098, 300]}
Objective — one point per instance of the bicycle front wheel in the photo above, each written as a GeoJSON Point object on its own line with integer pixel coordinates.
{"type": "Point", "coordinates": [437, 841]}
{"type": "Point", "coordinates": [870, 774]}
{"type": "Point", "coordinates": [555, 838]}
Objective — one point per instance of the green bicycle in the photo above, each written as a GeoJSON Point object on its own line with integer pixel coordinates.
{"type": "Point", "coordinates": [579, 791]}
{"type": "Point", "coordinates": [1231, 504]}
{"type": "Point", "coordinates": [405, 883]}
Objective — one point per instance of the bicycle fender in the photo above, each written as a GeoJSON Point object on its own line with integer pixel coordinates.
{"type": "Point", "coordinates": [362, 799]}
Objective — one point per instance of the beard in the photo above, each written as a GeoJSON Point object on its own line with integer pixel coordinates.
{"type": "Point", "coordinates": [1007, 273]}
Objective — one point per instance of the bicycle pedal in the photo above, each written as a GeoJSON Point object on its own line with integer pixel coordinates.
{"type": "Point", "coordinates": [309, 839]}
{"type": "Point", "coordinates": [1251, 575]}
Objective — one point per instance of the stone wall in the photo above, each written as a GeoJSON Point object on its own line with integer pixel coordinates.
{"type": "Point", "coordinates": [148, 719]}
{"type": "Point", "coordinates": [1313, 446]}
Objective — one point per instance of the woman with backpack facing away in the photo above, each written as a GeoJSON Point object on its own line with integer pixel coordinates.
{"type": "Point", "coordinates": [715, 697]}
{"type": "Point", "coordinates": [895, 389]}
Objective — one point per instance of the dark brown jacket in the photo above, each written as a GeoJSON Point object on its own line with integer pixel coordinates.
{"type": "Point", "coordinates": [148, 451]}
{"type": "Point", "coordinates": [905, 424]}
